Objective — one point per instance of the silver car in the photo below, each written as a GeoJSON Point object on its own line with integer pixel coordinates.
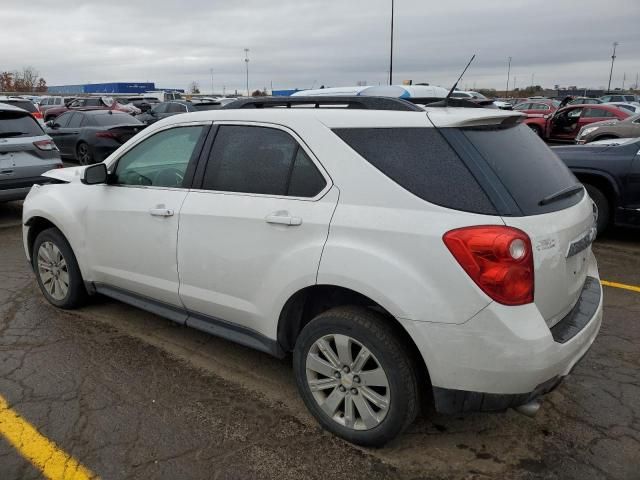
{"type": "Point", "coordinates": [26, 152]}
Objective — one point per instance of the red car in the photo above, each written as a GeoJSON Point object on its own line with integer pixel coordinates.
{"type": "Point", "coordinates": [565, 123]}
{"type": "Point", "coordinates": [536, 107]}
{"type": "Point", "coordinates": [86, 103]}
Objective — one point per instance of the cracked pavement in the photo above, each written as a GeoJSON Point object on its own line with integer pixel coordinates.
{"type": "Point", "coordinates": [131, 395]}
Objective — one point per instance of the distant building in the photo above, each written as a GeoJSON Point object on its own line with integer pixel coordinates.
{"type": "Point", "coordinates": [284, 93]}
{"type": "Point", "coordinates": [115, 87]}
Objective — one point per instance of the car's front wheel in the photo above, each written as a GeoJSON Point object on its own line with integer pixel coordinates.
{"type": "Point", "coordinates": [355, 376]}
{"type": "Point", "coordinates": [602, 204]}
{"type": "Point", "coordinates": [57, 270]}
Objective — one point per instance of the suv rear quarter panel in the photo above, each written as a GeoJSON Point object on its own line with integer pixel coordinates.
{"type": "Point", "coordinates": [386, 243]}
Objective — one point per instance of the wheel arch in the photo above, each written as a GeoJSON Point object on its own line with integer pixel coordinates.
{"type": "Point", "coordinates": [308, 302]}
{"type": "Point", "coordinates": [602, 181]}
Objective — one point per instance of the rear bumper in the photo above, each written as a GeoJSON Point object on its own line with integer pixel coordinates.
{"type": "Point", "coordinates": [506, 356]}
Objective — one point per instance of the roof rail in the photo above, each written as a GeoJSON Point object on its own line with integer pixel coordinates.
{"type": "Point", "coordinates": [451, 102]}
{"type": "Point", "coordinates": [355, 102]}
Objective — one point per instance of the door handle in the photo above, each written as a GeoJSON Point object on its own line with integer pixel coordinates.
{"type": "Point", "coordinates": [6, 172]}
{"type": "Point", "coordinates": [161, 212]}
{"type": "Point", "coordinates": [280, 219]}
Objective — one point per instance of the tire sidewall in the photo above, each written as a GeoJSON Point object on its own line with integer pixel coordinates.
{"type": "Point", "coordinates": [76, 285]}
{"type": "Point", "coordinates": [395, 420]}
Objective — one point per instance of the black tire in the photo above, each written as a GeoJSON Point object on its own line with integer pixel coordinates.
{"type": "Point", "coordinates": [604, 209]}
{"type": "Point", "coordinates": [536, 129]}
{"type": "Point", "coordinates": [375, 333]}
{"type": "Point", "coordinates": [76, 293]}
{"type": "Point", "coordinates": [83, 154]}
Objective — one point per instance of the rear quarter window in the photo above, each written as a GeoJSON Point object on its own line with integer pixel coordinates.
{"type": "Point", "coordinates": [421, 161]}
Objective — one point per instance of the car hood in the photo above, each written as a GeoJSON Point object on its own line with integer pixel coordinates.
{"type": "Point", "coordinates": [67, 175]}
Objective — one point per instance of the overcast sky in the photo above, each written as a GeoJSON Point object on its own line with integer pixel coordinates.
{"type": "Point", "coordinates": [305, 43]}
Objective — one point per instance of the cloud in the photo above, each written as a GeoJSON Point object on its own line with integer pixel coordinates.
{"type": "Point", "coordinates": [304, 43]}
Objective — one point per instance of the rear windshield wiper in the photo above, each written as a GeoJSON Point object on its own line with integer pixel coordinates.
{"type": "Point", "coordinates": [564, 193]}
{"type": "Point", "coordinates": [12, 134]}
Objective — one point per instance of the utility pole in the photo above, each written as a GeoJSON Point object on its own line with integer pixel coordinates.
{"type": "Point", "coordinates": [532, 75]}
{"type": "Point", "coordinates": [613, 59]}
{"type": "Point", "coordinates": [624, 79]}
{"type": "Point", "coordinates": [391, 47]}
{"type": "Point", "coordinates": [246, 62]}
{"type": "Point", "coordinates": [506, 92]}
{"type": "Point", "coordinates": [211, 81]}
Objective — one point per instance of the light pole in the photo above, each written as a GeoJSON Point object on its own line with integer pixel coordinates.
{"type": "Point", "coordinates": [246, 62]}
{"type": "Point", "coordinates": [506, 92]}
{"type": "Point", "coordinates": [211, 81]}
{"type": "Point", "coordinates": [391, 48]}
{"type": "Point", "coordinates": [613, 59]}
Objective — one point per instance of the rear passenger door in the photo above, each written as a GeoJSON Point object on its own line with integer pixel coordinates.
{"type": "Point", "coordinates": [252, 232]}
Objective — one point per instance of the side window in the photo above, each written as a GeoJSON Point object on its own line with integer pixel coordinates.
{"type": "Point", "coordinates": [522, 106]}
{"type": "Point", "coordinates": [76, 120]}
{"type": "Point", "coordinates": [260, 160]}
{"type": "Point", "coordinates": [596, 113]}
{"type": "Point", "coordinates": [606, 99]}
{"type": "Point", "coordinates": [63, 120]}
{"type": "Point", "coordinates": [575, 113]}
{"type": "Point", "coordinates": [161, 160]}
{"type": "Point", "coordinates": [306, 180]}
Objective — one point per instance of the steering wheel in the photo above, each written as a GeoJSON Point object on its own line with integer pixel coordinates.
{"type": "Point", "coordinates": [169, 177]}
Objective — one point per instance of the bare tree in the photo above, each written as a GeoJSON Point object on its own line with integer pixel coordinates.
{"type": "Point", "coordinates": [6, 82]}
{"type": "Point", "coordinates": [26, 80]}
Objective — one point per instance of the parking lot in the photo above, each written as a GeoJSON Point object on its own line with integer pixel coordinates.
{"type": "Point", "coordinates": [131, 395]}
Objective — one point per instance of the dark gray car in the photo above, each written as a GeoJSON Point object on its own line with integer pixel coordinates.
{"type": "Point", "coordinates": [26, 152]}
{"type": "Point", "coordinates": [90, 136]}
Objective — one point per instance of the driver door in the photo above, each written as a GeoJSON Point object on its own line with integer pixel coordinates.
{"type": "Point", "coordinates": [132, 222]}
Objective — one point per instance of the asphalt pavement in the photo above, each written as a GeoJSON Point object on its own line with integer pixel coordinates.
{"type": "Point", "coordinates": [127, 394]}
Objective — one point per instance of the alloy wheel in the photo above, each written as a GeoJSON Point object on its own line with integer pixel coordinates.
{"type": "Point", "coordinates": [53, 270]}
{"type": "Point", "coordinates": [348, 382]}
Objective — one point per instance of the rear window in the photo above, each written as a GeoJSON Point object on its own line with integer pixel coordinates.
{"type": "Point", "coordinates": [421, 161]}
{"type": "Point", "coordinates": [206, 106]}
{"type": "Point", "coordinates": [522, 163]}
{"type": "Point", "coordinates": [18, 124]}
{"type": "Point", "coordinates": [23, 104]}
{"type": "Point", "coordinates": [114, 119]}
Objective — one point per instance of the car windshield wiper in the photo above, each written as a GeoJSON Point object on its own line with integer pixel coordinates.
{"type": "Point", "coordinates": [564, 193]}
{"type": "Point", "coordinates": [12, 134]}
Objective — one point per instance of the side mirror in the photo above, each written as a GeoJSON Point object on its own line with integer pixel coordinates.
{"type": "Point", "coordinates": [95, 174]}
{"type": "Point", "coordinates": [51, 124]}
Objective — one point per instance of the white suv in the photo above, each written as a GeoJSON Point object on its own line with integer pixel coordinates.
{"type": "Point", "coordinates": [394, 252]}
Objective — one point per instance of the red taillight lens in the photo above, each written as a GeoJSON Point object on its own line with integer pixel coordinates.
{"type": "Point", "coordinates": [105, 135]}
{"type": "Point", "coordinates": [46, 145]}
{"type": "Point", "coordinates": [499, 259]}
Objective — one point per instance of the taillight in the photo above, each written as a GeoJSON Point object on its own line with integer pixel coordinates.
{"type": "Point", "coordinates": [37, 115]}
{"type": "Point", "coordinates": [498, 259]}
{"type": "Point", "coordinates": [46, 145]}
{"type": "Point", "coordinates": [105, 135]}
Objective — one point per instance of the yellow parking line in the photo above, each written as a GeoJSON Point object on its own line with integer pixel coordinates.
{"type": "Point", "coordinates": [632, 288]}
{"type": "Point", "coordinates": [41, 452]}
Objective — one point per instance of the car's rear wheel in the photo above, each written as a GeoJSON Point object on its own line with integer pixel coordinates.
{"type": "Point", "coordinates": [355, 376]}
{"type": "Point", "coordinates": [602, 204]}
{"type": "Point", "coordinates": [83, 154]}
{"type": "Point", "coordinates": [57, 270]}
